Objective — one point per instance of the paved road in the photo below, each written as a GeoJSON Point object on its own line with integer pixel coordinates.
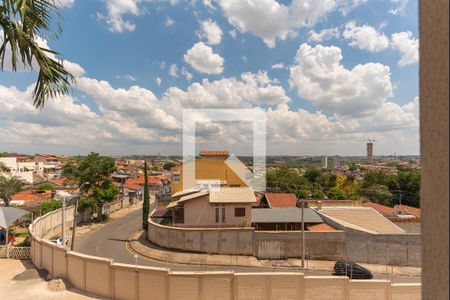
{"type": "Point", "coordinates": [110, 241]}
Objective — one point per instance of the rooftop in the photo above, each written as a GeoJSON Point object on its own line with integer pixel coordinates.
{"type": "Point", "coordinates": [361, 218]}
{"type": "Point", "coordinates": [382, 209]}
{"type": "Point", "coordinates": [214, 153]}
{"type": "Point", "coordinates": [284, 215]}
{"type": "Point", "coordinates": [281, 200]}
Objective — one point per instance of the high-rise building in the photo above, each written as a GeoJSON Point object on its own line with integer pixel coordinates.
{"type": "Point", "coordinates": [337, 162]}
{"type": "Point", "coordinates": [324, 162]}
{"type": "Point", "coordinates": [370, 152]}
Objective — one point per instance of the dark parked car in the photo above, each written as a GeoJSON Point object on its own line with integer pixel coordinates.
{"type": "Point", "coordinates": [352, 270]}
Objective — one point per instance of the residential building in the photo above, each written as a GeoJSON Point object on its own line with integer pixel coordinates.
{"type": "Point", "coordinates": [16, 169]}
{"type": "Point", "coordinates": [226, 207]}
{"type": "Point", "coordinates": [337, 162]}
{"type": "Point", "coordinates": [210, 169]}
{"type": "Point", "coordinates": [324, 162]}
{"type": "Point", "coordinates": [370, 152]}
{"type": "Point", "coordinates": [286, 218]}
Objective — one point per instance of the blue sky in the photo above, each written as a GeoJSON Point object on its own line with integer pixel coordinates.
{"type": "Point", "coordinates": [323, 94]}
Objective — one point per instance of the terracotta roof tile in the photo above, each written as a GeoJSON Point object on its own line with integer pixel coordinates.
{"type": "Point", "coordinates": [408, 210]}
{"type": "Point", "coordinates": [32, 196]}
{"type": "Point", "coordinates": [213, 153]}
{"type": "Point", "coordinates": [321, 227]}
{"type": "Point", "coordinates": [281, 200]}
{"type": "Point", "coordinates": [382, 209]}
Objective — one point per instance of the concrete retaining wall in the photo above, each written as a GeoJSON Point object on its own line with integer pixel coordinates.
{"type": "Point", "coordinates": [122, 281]}
{"type": "Point", "coordinates": [391, 249]}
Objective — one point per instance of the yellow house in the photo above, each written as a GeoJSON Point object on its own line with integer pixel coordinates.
{"type": "Point", "coordinates": [210, 166]}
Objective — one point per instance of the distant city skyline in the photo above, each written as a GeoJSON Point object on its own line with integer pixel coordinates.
{"type": "Point", "coordinates": [328, 74]}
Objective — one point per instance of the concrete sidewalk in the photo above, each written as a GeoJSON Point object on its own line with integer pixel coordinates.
{"type": "Point", "coordinates": [139, 243]}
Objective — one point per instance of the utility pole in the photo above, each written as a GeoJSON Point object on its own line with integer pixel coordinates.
{"type": "Point", "coordinates": [63, 221]}
{"type": "Point", "coordinates": [303, 233]}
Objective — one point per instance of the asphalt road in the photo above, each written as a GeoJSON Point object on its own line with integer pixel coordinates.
{"type": "Point", "coordinates": [110, 241]}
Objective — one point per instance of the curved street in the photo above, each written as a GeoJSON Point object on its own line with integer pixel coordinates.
{"type": "Point", "coordinates": [112, 241]}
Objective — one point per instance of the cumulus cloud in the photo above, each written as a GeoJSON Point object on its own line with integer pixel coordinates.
{"type": "Point", "coordinates": [244, 92]}
{"type": "Point", "coordinates": [186, 73]}
{"type": "Point", "coordinates": [115, 10]}
{"type": "Point", "coordinates": [169, 21]}
{"type": "Point", "coordinates": [319, 77]}
{"type": "Point", "coordinates": [65, 3]}
{"type": "Point", "coordinates": [173, 70]}
{"type": "Point", "coordinates": [399, 7]}
{"type": "Point", "coordinates": [158, 81]}
{"type": "Point", "coordinates": [407, 45]}
{"type": "Point", "coordinates": [324, 34]}
{"type": "Point", "coordinates": [278, 66]}
{"type": "Point", "coordinates": [211, 32]}
{"type": "Point", "coordinates": [270, 20]}
{"type": "Point", "coordinates": [365, 37]}
{"type": "Point", "coordinates": [202, 59]}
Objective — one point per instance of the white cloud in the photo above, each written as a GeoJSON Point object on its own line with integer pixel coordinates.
{"type": "Point", "coordinates": [320, 78]}
{"type": "Point", "coordinates": [186, 73]}
{"type": "Point", "coordinates": [202, 59]}
{"type": "Point", "coordinates": [278, 66]}
{"type": "Point", "coordinates": [173, 70]}
{"type": "Point", "coordinates": [211, 32]}
{"type": "Point", "coordinates": [365, 37]}
{"type": "Point", "coordinates": [271, 20]}
{"type": "Point", "coordinates": [208, 4]}
{"type": "Point", "coordinates": [115, 10]}
{"type": "Point", "coordinates": [65, 3]}
{"type": "Point", "coordinates": [324, 34]}
{"type": "Point", "coordinates": [169, 21]}
{"type": "Point", "coordinates": [407, 46]}
{"type": "Point", "coordinates": [399, 7]}
{"type": "Point", "coordinates": [135, 102]}
{"type": "Point", "coordinates": [158, 81]}
{"type": "Point", "coordinates": [345, 6]}
{"type": "Point", "coordinates": [126, 77]}
{"type": "Point", "coordinates": [233, 33]}
{"type": "Point", "coordinates": [244, 92]}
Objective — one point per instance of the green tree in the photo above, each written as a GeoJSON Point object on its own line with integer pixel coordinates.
{"type": "Point", "coordinates": [378, 193]}
{"type": "Point", "coordinates": [312, 174]}
{"type": "Point", "coordinates": [9, 187]}
{"type": "Point", "coordinates": [337, 193]}
{"type": "Point", "coordinates": [169, 165]}
{"type": "Point", "coordinates": [22, 23]}
{"type": "Point", "coordinates": [95, 171]}
{"type": "Point", "coordinates": [146, 204]}
{"type": "Point", "coordinates": [409, 185]}
{"type": "Point", "coordinates": [44, 187]}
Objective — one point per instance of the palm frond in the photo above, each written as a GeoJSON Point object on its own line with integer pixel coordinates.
{"type": "Point", "coordinates": [22, 22]}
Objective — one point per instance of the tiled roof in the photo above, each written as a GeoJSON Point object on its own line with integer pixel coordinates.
{"type": "Point", "coordinates": [132, 186]}
{"type": "Point", "coordinates": [152, 179]}
{"type": "Point", "coordinates": [232, 195]}
{"type": "Point", "coordinates": [32, 196]}
{"type": "Point", "coordinates": [281, 200]}
{"type": "Point", "coordinates": [408, 210]}
{"type": "Point", "coordinates": [213, 153]}
{"type": "Point", "coordinates": [321, 227]}
{"type": "Point", "coordinates": [382, 209]}
{"type": "Point", "coordinates": [361, 218]}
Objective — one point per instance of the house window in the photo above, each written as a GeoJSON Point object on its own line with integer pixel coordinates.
{"type": "Point", "coordinates": [176, 177]}
{"type": "Point", "coordinates": [235, 185]}
{"type": "Point", "coordinates": [178, 214]}
{"type": "Point", "coordinates": [239, 211]}
{"type": "Point", "coordinates": [220, 214]}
